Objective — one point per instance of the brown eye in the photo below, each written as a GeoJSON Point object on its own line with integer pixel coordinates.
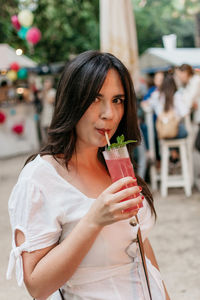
{"type": "Point", "coordinates": [118, 100]}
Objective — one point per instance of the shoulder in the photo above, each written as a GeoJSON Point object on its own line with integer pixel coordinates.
{"type": "Point", "coordinates": [155, 94]}
{"type": "Point", "coordinates": [155, 97]}
{"type": "Point", "coordinates": [194, 81]}
{"type": "Point", "coordinates": [178, 95]}
{"type": "Point", "coordinates": [38, 171]}
{"type": "Point", "coordinates": [33, 167]}
{"type": "Point", "coordinates": [195, 78]}
{"type": "Point", "coordinates": [52, 92]}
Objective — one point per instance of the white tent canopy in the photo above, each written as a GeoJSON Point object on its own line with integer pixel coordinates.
{"type": "Point", "coordinates": [8, 56]}
{"type": "Point", "coordinates": [154, 59]}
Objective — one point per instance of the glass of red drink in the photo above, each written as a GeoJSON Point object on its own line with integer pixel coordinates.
{"type": "Point", "coordinates": [119, 166]}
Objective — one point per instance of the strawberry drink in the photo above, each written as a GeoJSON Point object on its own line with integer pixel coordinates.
{"type": "Point", "coordinates": [119, 166]}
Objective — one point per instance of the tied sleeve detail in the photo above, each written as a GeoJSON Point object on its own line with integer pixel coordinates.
{"type": "Point", "coordinates": [16, 259]}
{"type": "Point", "coordinates": [33, 213]}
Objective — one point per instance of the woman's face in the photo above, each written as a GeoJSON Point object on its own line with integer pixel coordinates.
{"type": "Point", "coordinates": [104, 114]}
{"type": "Point", "coordinates": [183, 76]}
{"type": "Point", "coordinates": [158, 79]}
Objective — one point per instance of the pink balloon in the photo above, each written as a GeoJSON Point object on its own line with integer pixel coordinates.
{"type": "Point", "coordinates": [33, 35]}
{"type": "Point", "coordinates": [15, 22]}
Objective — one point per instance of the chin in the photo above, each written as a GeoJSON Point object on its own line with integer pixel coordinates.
{"type": "Point", "coordinates": [100, 144]}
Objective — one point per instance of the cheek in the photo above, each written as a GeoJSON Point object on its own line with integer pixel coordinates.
{"type": "Point", "coordinates": [118, 116]}
{"type": "Point", "coordinates": [121, 113]}
{"type": "Point", "coordinates": [81, 125]}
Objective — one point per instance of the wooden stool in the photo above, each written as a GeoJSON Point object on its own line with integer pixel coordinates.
{"type": "Point", "coordinates": [185, 178]}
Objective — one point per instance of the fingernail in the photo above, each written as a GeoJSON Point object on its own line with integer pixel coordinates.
{"type": "Point", "coordinates": [142, 197]}
{"type": "Point", "coordinates": [140, 188]}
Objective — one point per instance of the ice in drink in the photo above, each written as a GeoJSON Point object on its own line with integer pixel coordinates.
{"type": "Point", "coordinates": [119, 166]}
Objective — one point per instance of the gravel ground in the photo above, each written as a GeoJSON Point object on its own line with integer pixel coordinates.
{"type": "Point", "coordinates": [175, 238]}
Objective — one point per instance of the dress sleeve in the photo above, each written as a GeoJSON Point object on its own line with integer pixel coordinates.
{"type": "Point", "coordinates": [30, 213]}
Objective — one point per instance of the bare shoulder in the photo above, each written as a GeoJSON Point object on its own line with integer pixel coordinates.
{"type": "Point", "coordinates": [49, 158]}
{"type": "Point", "coordinates": [58, 164]}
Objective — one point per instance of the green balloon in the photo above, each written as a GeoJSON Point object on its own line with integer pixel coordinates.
{"type": "Point", "coordinates": [22, 73]}
{"type": "Point", "coordinates": [22, 32]}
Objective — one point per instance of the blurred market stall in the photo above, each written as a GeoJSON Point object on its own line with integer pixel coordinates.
{"type": "Point", "coordinates": [8, 56]}
{"type": "Point", "coordinates": [18, 124]}
{"type": "Point", "coordinates": [155, 59]}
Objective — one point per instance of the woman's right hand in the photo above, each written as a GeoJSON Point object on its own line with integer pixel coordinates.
{"type": "Point", "coordinates": [108, 208]}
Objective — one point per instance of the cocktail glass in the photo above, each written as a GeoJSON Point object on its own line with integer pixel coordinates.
{"type": "Point", "coordinates": [119, 166]}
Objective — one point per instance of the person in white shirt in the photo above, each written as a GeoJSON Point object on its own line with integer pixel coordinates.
{"type": "Point", "coordinates": [70, 226]}
{"type": "Point", "coordinates": [190, 89]}
{"type": "Point", "coordinates": [169, 98]}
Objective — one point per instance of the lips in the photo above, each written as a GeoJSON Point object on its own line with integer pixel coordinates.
{"type": "Point", "coordinates": [103, 130]}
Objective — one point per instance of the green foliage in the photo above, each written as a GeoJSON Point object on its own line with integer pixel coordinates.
{"type": "Point", "coordinates": [158, 18]}
{"type": "Point", "coordinates": [7, 34]}
{"type": "Point", "coordinates": [71, 26]}
{"type": "Point", "coordinates": [68, 27]}
{"type": "Point", "coordinates": [120, 143]}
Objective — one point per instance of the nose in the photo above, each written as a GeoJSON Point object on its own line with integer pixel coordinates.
{"type": "Point", "coordinates": [107, 111]}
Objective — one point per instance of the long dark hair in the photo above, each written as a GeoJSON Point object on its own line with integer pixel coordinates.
{"type": "Point", "coordinates": [168, 89]}
{"type": "Point", "coordinates": [79, 85]}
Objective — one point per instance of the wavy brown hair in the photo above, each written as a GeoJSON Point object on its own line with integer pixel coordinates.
{"type": "Point", "coordinates": [168, 89]}
{"type": "Point", "coordinates": [186, 68]}
{"type": "Point", "coordinates": [79, 85]}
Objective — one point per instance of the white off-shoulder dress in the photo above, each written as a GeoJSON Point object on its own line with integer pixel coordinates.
{"type": "Point", "coordinates": [46, 208]}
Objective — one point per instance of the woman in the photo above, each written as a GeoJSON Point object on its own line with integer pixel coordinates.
{"type": "Point", "coordinates": [190, 89]}
{"type": "Point", "coordinates": [70, 235]}
{"type": "Point", "coordinates": [169, 99]}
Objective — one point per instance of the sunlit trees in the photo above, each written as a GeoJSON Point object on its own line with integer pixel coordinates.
{"type": "Point", "coordinates": [67, 26]}
{"type": "Point", "coordinates": [72, 26]}
{"type": "Point", "coordinates": [156, 18]}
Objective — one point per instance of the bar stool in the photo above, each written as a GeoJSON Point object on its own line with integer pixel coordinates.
{"type": "Point", "coordinates": [185, 178]}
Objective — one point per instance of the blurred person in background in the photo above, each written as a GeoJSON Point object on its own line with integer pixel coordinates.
{"type": "Point", "coordinates": [169, 98]}
{"type": "Point", "coordinates": [4, 91]}
{"type": "Point", "coordinates": [191, 94]}
{"type": "Point", "coordinates": [190, 90]}
{"type": "Point", "coordinates": [47, 97]}
{"type": "Point", "coordinates": [152, 93]}
{"type": "Point", "coordinates": [154, 84]}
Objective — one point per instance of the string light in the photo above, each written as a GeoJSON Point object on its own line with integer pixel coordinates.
{"type": "Point", "coordinates": [19, 51]}
{"type": "Point", "coordinates": [20, 91]}
{"type": "Point", "coordinates": [3, 72]}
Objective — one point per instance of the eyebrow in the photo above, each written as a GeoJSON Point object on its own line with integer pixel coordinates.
{"type": "Point", "coordinates": [115, 96]}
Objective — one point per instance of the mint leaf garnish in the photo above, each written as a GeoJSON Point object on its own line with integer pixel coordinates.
{"type": "Point", "coordinates": [120, 143]}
